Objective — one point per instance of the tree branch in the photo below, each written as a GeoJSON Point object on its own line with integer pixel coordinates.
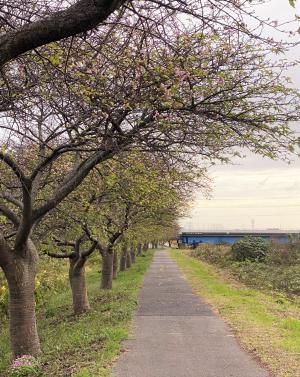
{"type": "Point", "coordinates": [84, 15]}
{"type": "Point", "coordinates": [12, 200]}
{"type": "Point", "coordinates": [59, 256]}
{"type": "Point", "coordinates": [89, 251]}
{"type": "Point", "coordinates": [72, 182]}
{"type": "Point", "coordinates": [95, 240]}
{"type": "Point", "coordinates": [10, 215]}
{"type": "Point", "coordinates": [60, 242]}
{"type": "Point", "coordinates": [5, 157]}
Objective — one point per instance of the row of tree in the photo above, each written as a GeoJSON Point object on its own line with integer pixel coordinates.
{"type": "Point", "coordinates": [101, 132]}
{"type": "Point", "coordinates": [122, 206]}
{"type": "Point", "coordinates": [129, 200]}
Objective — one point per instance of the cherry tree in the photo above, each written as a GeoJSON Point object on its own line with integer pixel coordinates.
{"type": "Point", "coordinates": [194, 94]}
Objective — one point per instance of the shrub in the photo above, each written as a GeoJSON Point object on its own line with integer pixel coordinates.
{"type": "Point", "coordinates": [251, 248]}
{"type": "Point", "coordinates": [268, 277]}
{"type": "Point", "coordinates": [216, 254]}
{"type": "Point", "coordinates": [283, 254]}
{"type": "Point", "coordinates": [278, 271]}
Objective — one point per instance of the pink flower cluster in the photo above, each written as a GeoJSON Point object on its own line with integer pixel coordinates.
{"type": "Point", "coordinates": [181, 74]}
{"type": "Point", "coordinates": [23, 361]}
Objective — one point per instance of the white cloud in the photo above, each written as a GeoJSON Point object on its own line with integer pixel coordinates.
{"type": "Point", "coordinates": [270, 197]}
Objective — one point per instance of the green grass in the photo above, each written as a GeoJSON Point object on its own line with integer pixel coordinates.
{"type": "Point", "coordinates": [266, 324]}
{"type": "Point", "coordinates": [84, 346]}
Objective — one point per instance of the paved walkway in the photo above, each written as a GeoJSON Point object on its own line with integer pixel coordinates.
{"type": "Point", "coordinates": [177, 335]}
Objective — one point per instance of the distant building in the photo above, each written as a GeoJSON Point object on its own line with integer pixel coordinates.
{"type": "Point", "coordinates": [195, 238]}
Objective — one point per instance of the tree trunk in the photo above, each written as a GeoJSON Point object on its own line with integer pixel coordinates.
{"type": "Point", "coordinates": [132, 254]}
{"type": "Point", "coordinates": [78, 285]}
{"type": "Point", "coordinates": [128, 259]}
{"type": "Point", "coordinates": [139, 249]}
{"type": "Point", "coordinates": [145, 246]}
{"type": "Point", "coordinates": [115, 265]}
{"type": "Point", "coordinates": [20, 272]}
{"type": "Point", "coordinates": [123, 259]}
{"type": "Point", "coordinates": [107, 270]}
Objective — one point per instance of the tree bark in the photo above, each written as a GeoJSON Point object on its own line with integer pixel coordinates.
{"type": "Point", "coordinates": [132, 254]}
{"type": "Point", "coordinates": [145, 246]}
{"type": "Point", "coordinates": [123, 259]}
{"type": "Point", "coordinates": [20, 272]}
{"type": "Point", "coordinates": [139, 249]}
{"type": "Point", "coordinates": [107, 270]}
{"type": "Point", "coordinates": [128, 259]}
{"type": "Point", "coordinates": [78, 285]}
{"type": "Point", "coordinates": [115, 265]}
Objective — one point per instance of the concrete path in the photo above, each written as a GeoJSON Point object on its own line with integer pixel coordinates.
{"type": "Point", "coordinates": [177, 335]}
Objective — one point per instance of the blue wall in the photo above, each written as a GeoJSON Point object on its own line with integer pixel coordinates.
{"type": "Point", "coordinates": [229, 239]}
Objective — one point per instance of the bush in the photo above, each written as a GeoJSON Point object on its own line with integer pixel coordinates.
{"type": "Point", "coordinates": [283, 254]}
{"type": "Point", "coordinates": [250, 248]}
{"type": "Point", "coordinates": [288, 280]}
{"type": "Point", "coordinates": [268, 277]}
{"type": "Point", "coordinates": [216, 254]}
{"type": "Point", "coordinates": [278, 270]}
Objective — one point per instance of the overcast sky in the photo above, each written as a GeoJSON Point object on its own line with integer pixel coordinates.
{"type": "Point", "coordinates": [255, 192]}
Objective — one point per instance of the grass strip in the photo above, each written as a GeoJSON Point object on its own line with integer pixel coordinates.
{"type": "Point", "coordinates": [86, 345]}
{"type": "Point", "coordinates": [266, 325]}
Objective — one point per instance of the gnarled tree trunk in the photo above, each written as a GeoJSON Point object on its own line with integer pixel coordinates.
{"type": "Point", "coordinates": [115, 265]}
{"type": "Point", "coordinates": [78, 285]}
{"type": "Point", "coordinates": [123, 259]}
{"type": "Point", "coordinates": [107, 270]}
{"type": "Point", "coordinates": [20, 271]}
